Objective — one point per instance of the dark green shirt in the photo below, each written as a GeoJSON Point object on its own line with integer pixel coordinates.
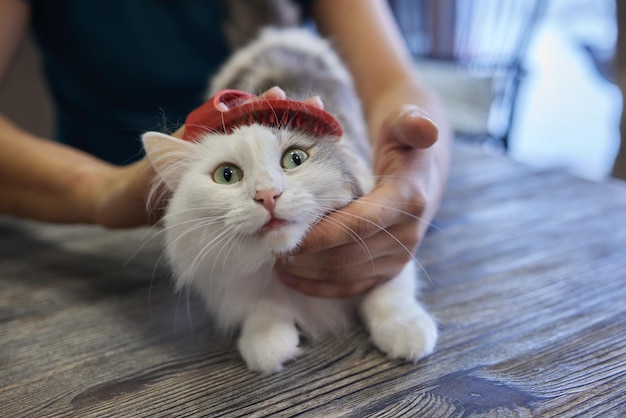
{"type": "Point", "coordinates": [117, 68]}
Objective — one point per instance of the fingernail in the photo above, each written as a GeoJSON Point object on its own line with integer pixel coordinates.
{"type": "Point", "coordinates": [403, 130]}
{"type": "Point", "coordinates": [315, 101]}
{"type": "Point", "coordinates": [277, 92]}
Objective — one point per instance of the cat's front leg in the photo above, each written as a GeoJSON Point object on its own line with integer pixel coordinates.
{"type": "Point", "coordinates": [398, 324]}
{"type": "Point", "coordinates": [269, 338]}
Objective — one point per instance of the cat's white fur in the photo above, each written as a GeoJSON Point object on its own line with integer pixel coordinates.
{"type": "Point", "coordinates": [216, 242]}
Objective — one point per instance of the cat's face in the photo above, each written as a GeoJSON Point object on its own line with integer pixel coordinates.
{"type": "Point", "coordinates": [260, 187]}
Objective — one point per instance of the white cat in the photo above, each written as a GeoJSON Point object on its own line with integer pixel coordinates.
{"type": "Point", "coordinates": [240, 199]}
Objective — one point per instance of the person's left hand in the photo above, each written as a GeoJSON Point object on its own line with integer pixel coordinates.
{"type": "Point", "coordinates": [370, 240]}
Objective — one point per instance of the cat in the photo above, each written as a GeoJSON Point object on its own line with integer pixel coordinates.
{"type": "Point", "coordinates": [227, 188]}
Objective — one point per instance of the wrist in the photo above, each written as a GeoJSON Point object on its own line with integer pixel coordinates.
{"type": "Point", "coordinates": [87, 184]}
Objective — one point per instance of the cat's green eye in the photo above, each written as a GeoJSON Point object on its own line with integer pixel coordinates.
{"type": "Point", "coordinates": [293, 158]}
{"type": "Point", "coordinates": [227, 174]}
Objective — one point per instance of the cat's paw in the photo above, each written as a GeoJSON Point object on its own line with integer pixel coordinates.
{"type": "Point", "coordinates": [409, 337]}
{"type": "Point", "coordinates": [266, 350]}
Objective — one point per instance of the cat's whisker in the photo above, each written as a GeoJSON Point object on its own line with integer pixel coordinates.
{"type": "Point", "coordinates": [145, 239]}
{"type": "Point", "coordinates": [196, 222]}
{"type": "Point", "coordinates": [360, 241]}
{"type": "Point", "coordinates": [269, 104]}
{"type": "Point", "coordinates": [198, 259]}
{"type": "Point", "coordinates": [204, 214]}
{"type": "Point", "coordinates": [291, 120]}
{"type": "Point", "coordinates": [233, 241]}
{"type": "Point", "coordinates": [206, 207]}
{"type": "Point", "coordinates": [175, 241]}
{"type": "Point", "coordinates": [227, 240]}
{"type": "Point", "coordinates": [206, 130]}
{"type": "Point", "coordinates": [393, 176]}
{"type": "Point", "coordinates": [404, 247]}
{"type": "Point", "coordinates": [366, 201]}
{"type": "Point", "coordinates": [223, 239]}
{"type": "Point", "coordinates": [181, 293]}
{"type": "Point", "coordinates": [220, 235]}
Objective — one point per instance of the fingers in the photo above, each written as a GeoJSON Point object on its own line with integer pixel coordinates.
{"type": "Point", "coordinates": [383, 208]}
{"type": "Point", "coordinates": [179, 132]}
{"type": "Point", "coordinates": [337, 262]}
{"type": "Point", "coordinates": [315, 101]}
{"type": "Point", "coordinates": [274, 93]}
{"type": "Point", "coordinates": [330, 289]}
{"type": "Point", "coordinates": [382, 267]}
{"type": "Point", "coordinates": [278, 93]}
{"type": "Point", "coordinates": [359, 246]}
{"type": "Point", "coordinates": [411, 127]}
{"type": "Point", "coordinates": [348, 270]}
{"type": "Point", "coordinates": [346, 226]}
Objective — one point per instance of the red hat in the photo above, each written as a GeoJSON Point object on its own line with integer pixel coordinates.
{"type": "Point", "coordinates": [229, 109]}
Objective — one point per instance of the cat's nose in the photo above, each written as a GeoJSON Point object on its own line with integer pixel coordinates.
{"type": "Point", "coordinates": [268, 198]}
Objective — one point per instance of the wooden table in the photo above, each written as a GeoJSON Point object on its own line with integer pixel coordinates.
{"type": "Point", "coordinates": [528, 276]}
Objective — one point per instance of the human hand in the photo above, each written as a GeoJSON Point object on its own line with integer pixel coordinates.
{"type": "Point", "coordinates": [119, 195]}
{"type": "Point", "coordinates": [277, 93]}
{"type": "Point", "coordinates": [331, 261]}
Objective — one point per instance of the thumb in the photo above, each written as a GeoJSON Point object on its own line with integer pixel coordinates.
{"type": "Point", "coordinates": [409, 126]}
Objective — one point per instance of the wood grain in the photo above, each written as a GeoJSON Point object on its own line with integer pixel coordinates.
{"type": "Point", "coordinates": [528, 282]}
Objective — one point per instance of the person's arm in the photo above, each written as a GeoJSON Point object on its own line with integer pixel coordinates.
{"type": "Point", "coordinates": [44, 180]}
{"type": "Point", "coordinates": [41, 179]}
{"type": "Point", "coordinates": [411, 160]}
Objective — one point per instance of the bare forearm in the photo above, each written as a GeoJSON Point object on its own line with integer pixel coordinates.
{"type": "Point", "coordinates": [43, 180]}
{"type": "Point", "coordinates": [371, 45]}
{"type": "Point", "coordinates": [387, 82]}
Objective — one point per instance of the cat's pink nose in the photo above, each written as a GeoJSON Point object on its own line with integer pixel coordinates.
{"type": "Point", "coordinates": [268, 198]}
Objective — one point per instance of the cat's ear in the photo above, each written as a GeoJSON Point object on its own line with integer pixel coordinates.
{"type": "Point", "coordinates": [169, 156]}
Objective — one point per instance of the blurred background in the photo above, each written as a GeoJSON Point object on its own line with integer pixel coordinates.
{"type": "Point", "coordinates": [532, 78]}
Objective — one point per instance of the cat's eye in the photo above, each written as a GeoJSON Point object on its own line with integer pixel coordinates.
{"type": "Point", "coordinates": [227, 174]}
{"type": "Point", "coordinates": [293, 158]}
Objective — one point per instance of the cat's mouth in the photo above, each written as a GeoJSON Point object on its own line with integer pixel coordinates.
{"type": "Point", "coordinates": [274, 224]}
